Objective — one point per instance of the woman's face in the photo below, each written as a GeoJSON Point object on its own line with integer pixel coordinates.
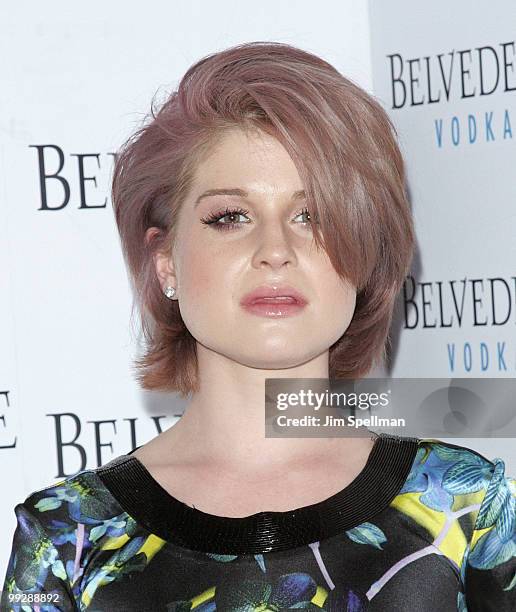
{"type": "Point", "coordinates": [266, 242]}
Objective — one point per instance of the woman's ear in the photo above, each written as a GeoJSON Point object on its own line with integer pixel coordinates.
{"type": "Point", "coordinates": [163, 262]}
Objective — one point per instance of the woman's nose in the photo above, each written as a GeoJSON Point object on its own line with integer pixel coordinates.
{"type": "Point", "coordinates": [274, 247]}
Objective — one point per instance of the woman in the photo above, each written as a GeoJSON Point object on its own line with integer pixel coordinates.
{"type": "Point", "coordinates": [264, 220]}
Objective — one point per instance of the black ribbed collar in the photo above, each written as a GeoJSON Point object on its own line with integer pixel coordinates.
{"type": "Point", "coordinates": [143, 498]}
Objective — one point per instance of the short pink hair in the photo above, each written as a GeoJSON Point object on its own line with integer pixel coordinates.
{"type": "Point", "coordinates": [345, 149]}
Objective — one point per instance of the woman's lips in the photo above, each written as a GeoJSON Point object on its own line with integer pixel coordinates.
{"type": "Point", "coordinates": [275, 305]}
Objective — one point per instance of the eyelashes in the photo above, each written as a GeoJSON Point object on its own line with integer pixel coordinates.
{"type": "Point", "coordinates": [214, 218]}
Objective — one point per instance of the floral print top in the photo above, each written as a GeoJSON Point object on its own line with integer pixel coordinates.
{"type": "Point", "coordinates": [426, 526]}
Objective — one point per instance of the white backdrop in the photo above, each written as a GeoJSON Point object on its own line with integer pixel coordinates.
{"type": "Point", "coordinates": [75, 82]}
{"type": "Point", "coordinates": [459, 149]}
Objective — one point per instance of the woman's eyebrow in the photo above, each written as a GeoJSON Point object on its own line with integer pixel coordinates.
{"type": "Point", "coordinates": [297, 195]}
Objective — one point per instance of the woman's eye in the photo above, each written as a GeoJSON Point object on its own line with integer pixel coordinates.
{"type": "Point", "coordinates": [226, 219]}
{"type": "Point", "coordinates": [232, 218]}
{"type": "Point", "coordinates": [309, 221]}
{"type": "Point", "coordinates": [306, 214]}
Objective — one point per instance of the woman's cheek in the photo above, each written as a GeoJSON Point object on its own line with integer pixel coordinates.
{"type": "Point", "coordinates": [201, 298]}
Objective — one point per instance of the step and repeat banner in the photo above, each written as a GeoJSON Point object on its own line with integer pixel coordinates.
{"type": "Point", "coordinates": [77, 82]}
{"type": "Point", "coordinates": [446, 73]}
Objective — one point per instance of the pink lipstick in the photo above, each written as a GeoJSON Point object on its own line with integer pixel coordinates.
{"type": "Point", "coordinates": [274, 301]}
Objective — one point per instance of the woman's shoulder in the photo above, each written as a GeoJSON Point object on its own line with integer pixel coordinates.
{"type": "Point", "coordinates": [443, 452]}
{"type": "Point", "coordinates": [61, 530]}
{"type": "Point", "coordinates": [456, 483]}
{"type": "Point", "coordinates": [446, 474]}
{"type": "Point", "coordinates": [449, 485]}
{"type": "Point", "coordinates": [82, 497]}
{"type": "Point", "coordinates": [465, 504]}
{"type": "Point", "coordinates": [79, 506]}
